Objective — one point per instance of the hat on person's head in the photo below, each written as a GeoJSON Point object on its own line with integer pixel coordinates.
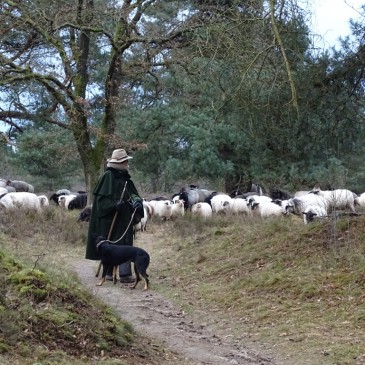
{"type": "Point", "coordinates": [119, 156]}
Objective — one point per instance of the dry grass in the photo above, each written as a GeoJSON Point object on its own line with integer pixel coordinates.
{"type": "Point", "coordinates": [44, 314]}
{"type": "Point", "coordinates": [298, 289]}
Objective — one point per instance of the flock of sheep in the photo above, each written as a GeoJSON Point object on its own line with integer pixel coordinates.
{"type": "Point", "coordinates": [308, 205]}
{"type": "Point", "coordinates": [199, 202]}
{"type": "Point", "coordinates": [20, 194]}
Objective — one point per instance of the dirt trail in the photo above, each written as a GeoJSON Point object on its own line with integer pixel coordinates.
{"type": "Point", "coordinates": [155, 316]}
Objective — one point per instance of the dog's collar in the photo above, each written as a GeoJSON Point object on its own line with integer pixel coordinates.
{"type": "Point", "coordinates": [98, 244]}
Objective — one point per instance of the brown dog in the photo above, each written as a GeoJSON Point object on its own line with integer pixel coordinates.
{"type": "Point", "coordinates": [114, 255]}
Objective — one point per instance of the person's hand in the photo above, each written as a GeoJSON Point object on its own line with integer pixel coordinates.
{"type": "Point", "coordinates": [138, 206]}
{"type": "Point", "coordinates": [119, 206]}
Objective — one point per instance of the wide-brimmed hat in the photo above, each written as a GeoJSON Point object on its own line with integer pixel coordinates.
{"type": "Point", "coordinates": [119, 156]}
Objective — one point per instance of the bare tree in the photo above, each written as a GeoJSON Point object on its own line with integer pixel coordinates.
{"type": "Point", "coordinates": [65, 62]}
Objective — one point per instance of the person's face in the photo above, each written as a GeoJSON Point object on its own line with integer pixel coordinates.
{"type": "Point", "coordinates": [125, 164]}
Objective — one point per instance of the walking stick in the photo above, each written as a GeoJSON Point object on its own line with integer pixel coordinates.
{"type": "Point", "coordinates": [111, 227]}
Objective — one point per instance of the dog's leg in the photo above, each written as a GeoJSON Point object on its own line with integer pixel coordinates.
{"type": "Point", "coordinates": [98, 270]}
{"type": "Point", "coordinates": [103, 275]}
{"type": "Point", "coordinates": [146, 281]}
{"type": "Point", "coordinates": [137, 279]}
{"type": "Point", "coordinates": [115, 269]}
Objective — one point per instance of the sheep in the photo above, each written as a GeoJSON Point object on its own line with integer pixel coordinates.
{"type": "Point", "coordinates": [176, 197]}
{"type": "Point", "coordinates": [64, 200]}
{"type": "Point", "coordinates": [43, 200]}
{"type": "Point", "coordinates": [161, 208]}
{"type": "Point", "coordinates": [10, 189]}
{"type": "Point", "coordinates": [203, 210]}
{"type": "Point", "coordinates": [85, 214]}
{"type": "Point", "coordinates": [221, 203]}
{"type": "Point", "coordinates": [359, 200]}
{"type": "Point", "coordinates": [258, 199]}
{"type": "Point", "coordinates": [142, 225]}
{"type": "Point", "coordinates": [20, 200]}
{"type": "Point", "coordinates": [298, 205]}
{"type": "Point", "coordinates": [313, 211]}
{"type": "Point", "coordinates": [54, 197]}
{"type": "Point", "coordinates": [279, 194]}
{"type": "Point", "coordinates": [148, 208]}
{"type": "Point", "coordinates": [20, 186]}
{"type": "Point", "coordinates": [3, 190]}
{"type": "Point", "coordinates": [300, 193]}
{"type": "Point", "coordinates": [78, 202]}
{"type": "Point", "coordinates": [177, 209]}
{"type": "Point", "coordinates": [208, 199]}
{"type": "Point", "coordinates": [337, 199]}
{"type": "Point", "coordinates": [266, 209]}
{"type": "Point", "coordinates": [239, 206]}
{"type": "Point", "coordinates": [193, 195]}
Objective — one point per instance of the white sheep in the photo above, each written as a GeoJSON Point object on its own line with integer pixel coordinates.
{"type": "Point", "coordinates": [266, 209]}
{"type": "Point", "coordinates": [21, 200]}
{"type": "Point", "coordinates": [43, 200]}
{"type": "Point", "coordinates": [360, 200]}
{"type": "Point", "coordinates": [337, 199]}
{"type": "Point", "coordinates": [258, 199]}
{"type": "Point", "coordinates": [142, 225]}
{"type": "Point", "coordinates": [203, 210]}
{"type": "Point", "coordinates": [161, 208]}
{"type": "Point", "coordinates": [239, 206]}
{"type": "Point", "coordinates": [301, 193]}
{"type": "Point", "coordinates": [221, 203]}
{"type": "Point", "coordinates": [177, 209]}
{"type": "Point", "coordinates": [298, 205]}
{"type": "Point", "coordinates": [313, 211]}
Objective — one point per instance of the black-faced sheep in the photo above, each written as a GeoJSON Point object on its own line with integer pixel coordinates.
{"type": "Point", "coordinates": [313, 211]}
{"type": "Point", "coordinates": [54, 197]}
{"type": "Point", "coordinates": [78, 202]}
{"type": "Point", "coordinates": [84, 215]}
{"type": "Point", "coordinates": [20, 186]}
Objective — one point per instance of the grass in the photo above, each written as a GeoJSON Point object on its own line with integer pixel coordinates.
{"type": "Point", "coordinates": [298, 289]}
{"type": "Point", "coordinates": [292, 290]}
{"type": "Point", "coordinates": [45, 317]}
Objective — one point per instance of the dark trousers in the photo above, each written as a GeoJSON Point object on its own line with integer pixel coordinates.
{"type": "Point", "coordinates": [125, 269]}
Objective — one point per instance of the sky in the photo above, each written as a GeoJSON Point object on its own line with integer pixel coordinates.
{"type": "Point", "coordinates": [331, 18]}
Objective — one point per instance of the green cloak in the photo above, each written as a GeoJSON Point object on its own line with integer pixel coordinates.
{"type": "Point", "coordinates": [107, 193]}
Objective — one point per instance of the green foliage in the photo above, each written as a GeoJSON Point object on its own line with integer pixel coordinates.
{"type": "Point", "coordinates": [213, 102]}
{"type": "Point", "coordinates": [48, 154]}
